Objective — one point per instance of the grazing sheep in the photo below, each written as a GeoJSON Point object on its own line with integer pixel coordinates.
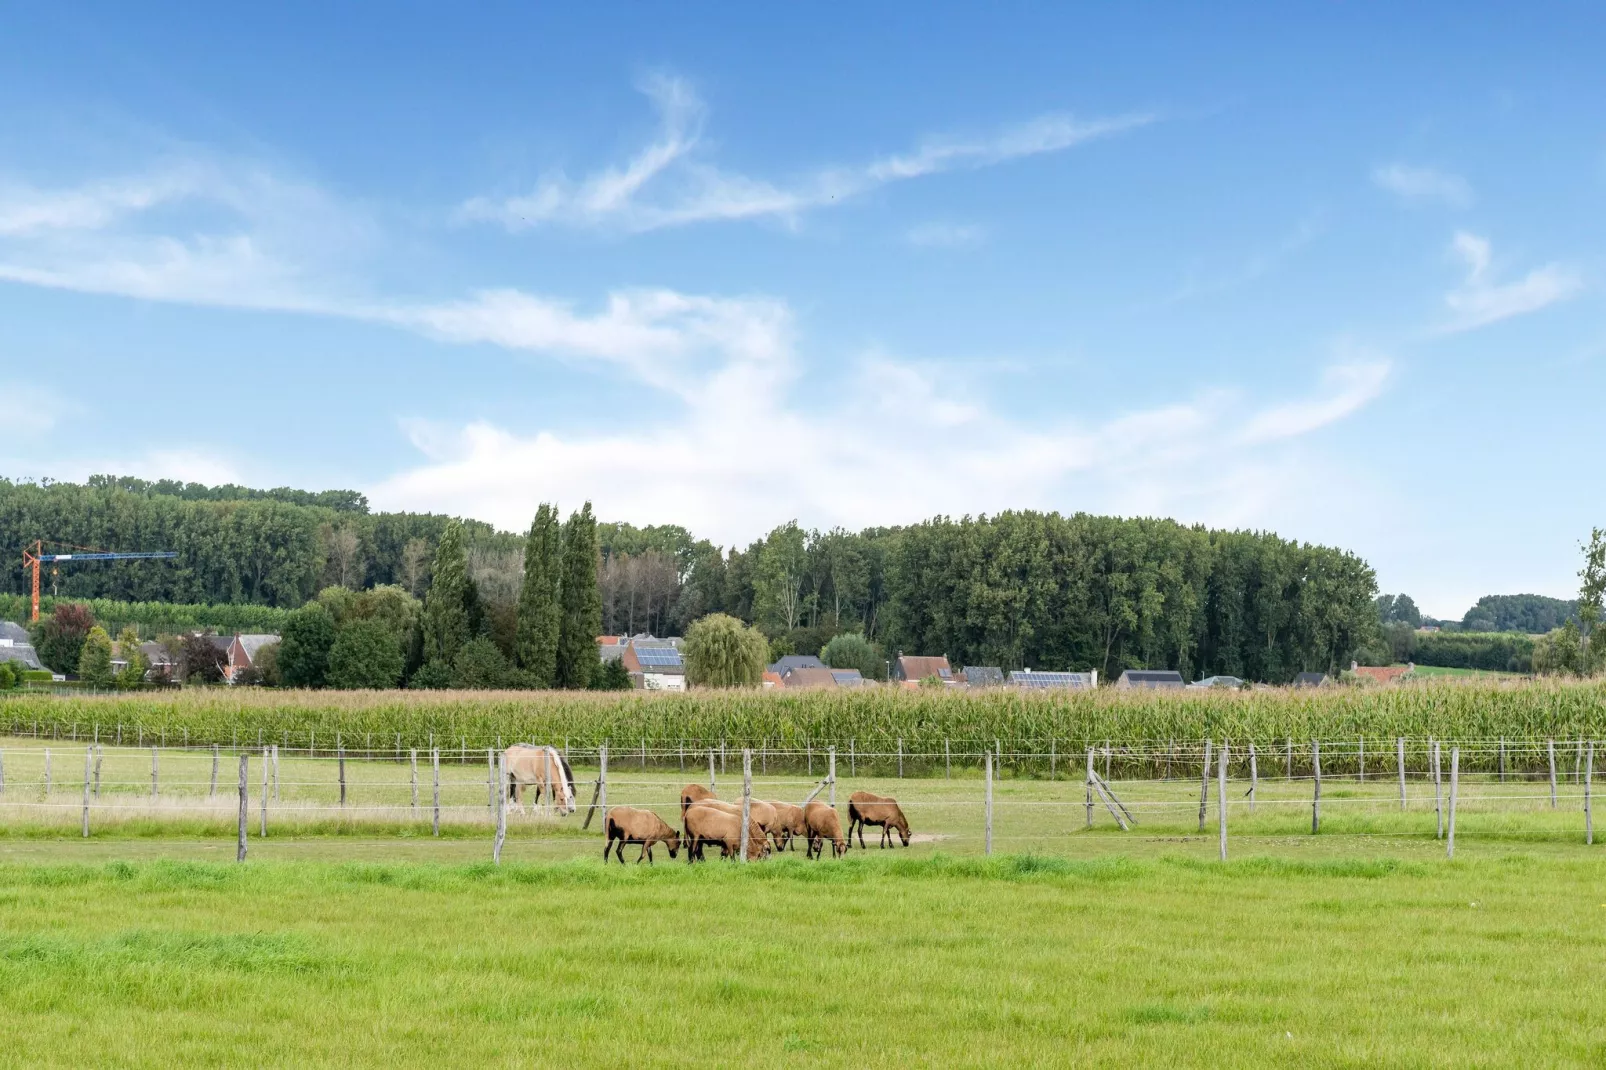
{"type": "Point", "coordinates": [762, 814]}
{"type": "Point", "coordinates": [867, 809]}
{"type": "Point", "coordinates": [708, 823]}
{"type": "Point", "coordinates": [789, 823]}
{"type": "Point", "coordinates": [626, 824]}
{"type": "Point", "coordinates": [694, 793]}
{"type": "Point", "coordinates": [823, 824]}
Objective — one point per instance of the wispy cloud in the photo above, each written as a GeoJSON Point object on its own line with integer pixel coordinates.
{"type": "Point", "coordinates": [1480, 301]}
{"type": "Point", "coordinates": [938, 235]}
{"type": "Point", "coordinates": [1345, 388]}
{"type": "Point", "coordinates": [885, 418]}
{"type": "Point", "coordinates": [1423, 184]}
{"type": "Point", "coordinates": [668, 184]}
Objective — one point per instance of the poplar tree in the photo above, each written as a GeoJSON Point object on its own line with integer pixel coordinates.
{"type": "Point", "coordinates": [581, 623]}
{"type": "Point", "coordinates": [540, 614]}
{"type": "Point", "coordinates": [446, 626]}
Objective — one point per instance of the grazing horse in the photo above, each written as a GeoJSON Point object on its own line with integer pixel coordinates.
{"type": "Point", "coordinates": [545, 770]}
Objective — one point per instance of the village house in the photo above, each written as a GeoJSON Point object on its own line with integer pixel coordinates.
{"type": "Point", "coordinates": [1150, 680]}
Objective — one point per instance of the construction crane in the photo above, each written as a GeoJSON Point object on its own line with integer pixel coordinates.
{"type": "Point", "coordinates": [33, 561]}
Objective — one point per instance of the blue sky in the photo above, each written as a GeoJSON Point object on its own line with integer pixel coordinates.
{"type": "Point", "coordinates": [1334, 272]}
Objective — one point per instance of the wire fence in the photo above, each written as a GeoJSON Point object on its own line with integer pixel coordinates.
{"type": "Point", "coordinates": [967, 797]}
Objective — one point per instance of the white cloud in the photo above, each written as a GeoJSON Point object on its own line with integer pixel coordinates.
{"type": "Point", "coordinates": [745, 439]}
{"type": "Point", "coordinates": [1423, 184]}
{"type": "Point", "coordinates": [1480, 301]}
{"type": "Point", "coordinates": [938, 235]}
{"type": "Point", "coordinates": [194, 230]}
{"type": "Point", "coordinates": [1345, 388]}
{"type": "Point", "coordinates": [665, 184]}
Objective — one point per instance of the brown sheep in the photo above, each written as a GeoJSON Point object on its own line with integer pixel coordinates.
{"type": "Point", "coordinates": [761, 813]}
{"type": "Point", "coordinates": [867, 809]}
{"type": "Point", "coordinates": [626, 824]}
{"type": "Point", "coordinates": [694, 793]}
{"type": "Point", "coordinates": [789, 823]}
{"type": "Point", "coordinates": [823, 824]}
{"type": "Point", "coordinates": [706, 823]}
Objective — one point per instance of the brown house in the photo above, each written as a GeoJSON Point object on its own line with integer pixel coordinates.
{"type": "Point", "coordinates": [912, 670]}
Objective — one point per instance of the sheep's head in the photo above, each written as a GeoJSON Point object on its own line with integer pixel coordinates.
{"type": "Point", "coordinates": [673, 843]}
{"type": "Point", "coordinates": [903, 831]}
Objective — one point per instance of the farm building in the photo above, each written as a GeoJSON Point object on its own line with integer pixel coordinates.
{"type": "Point", "coordinates": [655, 664]}
{"type": "Point", "coordinates": [1150, 679]}
{"type": "Point", "coordinates": [16, 646]}
{"type": "Point", "coordinates": [1219, 681]}
{"type": "Point", "coordinates": [1067, 681]}
{"type": "Point", "coordinates": [243, 653]}
{"type": "Point", "coordinates": [1310, 679]}
{"type": "Point", "coordinates": [912, 670]}
{"type": "Point", "coordinates": [796, 661]}
{"type": "Point", "coordinates": [982, 676]}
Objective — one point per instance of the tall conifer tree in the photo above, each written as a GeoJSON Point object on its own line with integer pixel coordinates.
{"type": "Point", "coordinates": [540, 614]}
{"type": "Point", "coordinates": [581, 601]}
{"type": "Point", "coordinates": [446, 626]}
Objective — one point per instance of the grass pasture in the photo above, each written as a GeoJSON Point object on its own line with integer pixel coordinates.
{"type": "Point", "coordinates": [1153, 958]}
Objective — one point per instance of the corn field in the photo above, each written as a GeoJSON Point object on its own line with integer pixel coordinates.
{"type": "Point", "coordinates": [918, 722]}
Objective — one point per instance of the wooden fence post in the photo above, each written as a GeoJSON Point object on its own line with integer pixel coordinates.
{"type": "Point", "coordinates": [682, 755]}
{"type": "Point", "coordinates": [853, 762]}
{"type": "Point", "coordinates": [643, 752]}
{"type": "Point", "coordinates": [263, 832]}
{"type": "Point", "coordinates": [1051, 757]}
{"type": "Point", "coordinates": [89, 758]}
{"type": "Point", "coordinates": [47, 773]}
{"type": "Point", "coordinates": [1090, 787]}
{"type": "Point", "coordinates": [501, 811]}
{"type": "Point", "coordinates": [1316, 796]}
{"type": "Point", "coordinates": [412, 757]}
{"type": "Point", "coordinates": [212, 791]}
{"type": "Point", "coordinates": [1455, 785]}
{"type": "Point", "coordinates": [1550, 747]}
{"type": "Point", "coordinates": [747, 797]}
{"type": "Point", "coordinates": [602, 781]}
{"type": "Point", "coordinates": [1399, 752]}
{"type": "Point", "coordinates": [100, 755]}
{"type": "Point", "coordinates": [1360, 757]}
{"type": "Point", "coordinates": [947, 758]}
{"type": "Point", "coordinates": [1204, 786]}
{"type": "Point", "coordinates": [2, 773]}
{"type": "Point", "coordinates": [1254, 777]}
{"type": "Point", "coordinates": [245, 803]}
{"type": "Point", "coordinates": [435, 770]}
{"type": "Point", "coordinates": [340, 766]}
{"type": "Point", "coordinates": [988, 765]}
{"type": "Point", "coordinates": [831, 773]}
{"type": "Point", "coordinates": [490, 780]}
{"type": "Point", "coordinates": [1290, 743]}
{"type": "Point", "coordinates": [900, 757]}
{"type": "Point", "coordinates": [710, 768]}
{"type": "Point", "coordinates": [1221, 796]}
{"type": "Point", "coordinates": [1502, 759]}
{"type": "Point", "coordinates": [154, 788]}
{"type": "Point", "coordinates": [1106, 761]}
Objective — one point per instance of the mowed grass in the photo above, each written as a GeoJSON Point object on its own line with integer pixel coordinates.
{"type": "Point", "coordinates": [882, 959]}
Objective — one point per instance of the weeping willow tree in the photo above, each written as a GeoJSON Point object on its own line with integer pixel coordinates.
{"type": "Point", "coordinates": [721, 651]}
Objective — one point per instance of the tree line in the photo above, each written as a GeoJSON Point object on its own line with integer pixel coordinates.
{"type": "Point", "coordinates": [1019, 589]}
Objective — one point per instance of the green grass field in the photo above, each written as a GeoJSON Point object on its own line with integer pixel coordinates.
{"type": "Point", "coordinates": [356, 938]}
{"type": "Point", "coordinates": [1150, 958]}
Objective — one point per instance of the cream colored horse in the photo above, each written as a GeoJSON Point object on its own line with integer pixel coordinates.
{"type": "Point", "coordinates": [544, 769]}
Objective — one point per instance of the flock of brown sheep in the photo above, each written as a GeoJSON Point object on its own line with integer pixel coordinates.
{"type": "Point", "coordinates": [710, 820]}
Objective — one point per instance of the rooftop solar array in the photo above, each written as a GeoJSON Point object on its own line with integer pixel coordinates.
{"type": "Point", "coordinates": [658, 657]}
{"type": "Point", "coordinates": [1049, 679]}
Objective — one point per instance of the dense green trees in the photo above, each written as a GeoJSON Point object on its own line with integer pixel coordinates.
{"type": "Point", "coordinates": [309, 634]}
{"type": "Point", "coordinates": [581, 620]}
{"type": "Point", "coordinates": [851, 650]}
{"type": "Point", "coordinates": [721, 651]}
{"type": "Point", "coordinates": [450, 598]}
{"type": "Point", "coordinates": [539, 613]}
{"type": "Point", "coordinates": [1532, 613]}
{"type": "Point", "coordinates": [365, 654]}
{"type": "Point", "coordinates": [95, 660]}
{"type": "Point", "coordinates": [59, 638]}
{"type": "Point", "coordinates": [1498, 651]}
